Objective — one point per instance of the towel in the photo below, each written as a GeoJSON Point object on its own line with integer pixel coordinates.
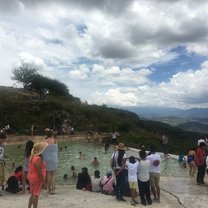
{"type": "Point", "coordinates": [50, 156]}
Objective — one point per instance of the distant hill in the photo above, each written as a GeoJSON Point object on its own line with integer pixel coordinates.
{"type": "Point", "coordinates": [152, 112]}
{"type": "Point", "coordinates": [194, 127]}
{"type": "Point", "coordinates": [195, 119]}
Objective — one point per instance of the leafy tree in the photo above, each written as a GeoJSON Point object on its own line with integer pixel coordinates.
{"type": "Point", "coordinates": [24, 74]}
{"type": "Point", "coordinates": [54, 87]}
{"type": "Point", "coordinates": [30, 78]}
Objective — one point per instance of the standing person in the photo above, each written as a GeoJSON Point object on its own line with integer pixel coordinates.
{"type": "Point", "coordinates": [165, 145]}
{"type": "Point", "coordinates": [37, 173]}
{"type": "Point", "coordinates": [207, 164]}
{"type": "Point", "coordinates": [201, 163]}
{"type": "Point", "coordinates": [114, 138]}
{"type": "Point", "coordinates": [2, 169]}
{"type": "Point", "coordinates": [132, 166]}
{"type": "Point", "coordinates": [50, 156]}
{"type": "Point", "coordinates": [191, 161]}
{"type": "Point", "coordinates": [117, 164]}
{"type": "Point", "coordinates": [27, 153]}
{"type": "Point", "coordinates": [143, 179]}
{"type": "Point", "coordinates": [106, 146]}
{"type": "Point", "coordinates": [2, 162]}
{"type": "Point", "coordinates": [155, 161]}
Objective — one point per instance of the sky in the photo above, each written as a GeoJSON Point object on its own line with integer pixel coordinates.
{"type": "Point", "coordinates": [113, 52]}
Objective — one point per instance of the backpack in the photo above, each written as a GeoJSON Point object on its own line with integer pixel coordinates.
{"type": "Point", "coordinates": [12, 185]}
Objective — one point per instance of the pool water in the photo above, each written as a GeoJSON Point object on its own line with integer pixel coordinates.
{"type": "Point", "coordinates": [69, 155]}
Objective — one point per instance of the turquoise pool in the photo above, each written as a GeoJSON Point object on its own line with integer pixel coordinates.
{"type": "Point", "coordinates": [69, 156]}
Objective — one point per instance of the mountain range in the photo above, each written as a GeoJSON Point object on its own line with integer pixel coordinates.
{"type": "Point", "coordinates": [194, 119]}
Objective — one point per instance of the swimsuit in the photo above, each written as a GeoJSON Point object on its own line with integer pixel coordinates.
{"type": "Point", "coordinates": [190, 158]}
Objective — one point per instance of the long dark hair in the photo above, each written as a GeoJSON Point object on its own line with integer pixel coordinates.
{"type": "Point", "coordinates": [120, 157]}
{"type": "Point", "coordinates": [28, 148]}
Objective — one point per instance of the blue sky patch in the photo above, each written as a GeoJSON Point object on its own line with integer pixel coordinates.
{"type": "Point", "coordinates": [183, 62]}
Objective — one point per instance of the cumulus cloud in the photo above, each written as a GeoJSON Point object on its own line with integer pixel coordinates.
{"type": "Point", "coordinates": [184, 90]}
{"type": "Point", "coordinates": [110, 47]}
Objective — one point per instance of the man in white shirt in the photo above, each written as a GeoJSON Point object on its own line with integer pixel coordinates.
{"type": "Point", "coordinates": [155, 161]}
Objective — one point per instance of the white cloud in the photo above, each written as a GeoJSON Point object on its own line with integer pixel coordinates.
{"type": "Point", "coordinates": [184, 90]}
{"type": "Point", "coordinates": [81, 73]}
{"type": "Point", "coordinates": [109, 47]}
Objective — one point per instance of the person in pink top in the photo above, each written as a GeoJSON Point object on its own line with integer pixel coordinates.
{"type": "Point", "coordinates": [37, 173]}
{"type": "Point", "coordinates": [108, 183]}
{"type": "Point", "coordinates": [18, 173]}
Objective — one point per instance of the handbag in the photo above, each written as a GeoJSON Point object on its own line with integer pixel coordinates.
{"type": "Point", "coordinates": [102, 185]}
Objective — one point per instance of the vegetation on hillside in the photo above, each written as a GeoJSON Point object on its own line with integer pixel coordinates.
{"type": "Point", "coordinates": [21, 108]}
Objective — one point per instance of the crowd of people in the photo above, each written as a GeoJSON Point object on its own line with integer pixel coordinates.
{"type": "Point", "coordinates": [129, 175]}
{"type": "Point", "coordinates": [38, 170]}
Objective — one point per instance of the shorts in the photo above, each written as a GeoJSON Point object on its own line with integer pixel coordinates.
{"type": "Point", "coordinates": [2, 174]}
{"type": "Point", "coordinates": [133, 185]}
{"type": "Point", "coordinates": [35, 188]}
{"type": "Point", "coordinates": [154, 179]}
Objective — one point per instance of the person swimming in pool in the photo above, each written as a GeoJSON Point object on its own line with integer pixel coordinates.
{"type": "Point", "coordinates": [95, 163]}
{"type": "Point", "coordinates": [81, 156]}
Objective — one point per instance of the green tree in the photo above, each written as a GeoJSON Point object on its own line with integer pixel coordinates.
{"type": "Point", "coordinates": [52, 86]}
{"type": "Point", "coordinates": [24, 74]}
{"type": "Point", "coordinates": [28, 75]}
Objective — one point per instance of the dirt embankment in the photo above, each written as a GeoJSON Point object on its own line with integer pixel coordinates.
{"type": "Point", "coordinates": [15, 139]}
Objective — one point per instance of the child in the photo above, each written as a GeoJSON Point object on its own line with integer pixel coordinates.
{"type": "Point", "coordinates": [73, 172]}
{"type": "Point", "coordinates": [107, 146]}
{"type": "Point", "coordinates": [143, 179]}
{"type": "Point", "coordinates": [18, 174]}
{"type": "Point", "coordinates": [37, 173]}
{"type": "Point", "coordinates": [132, 166]}
{"type": "Point", "coordinates": [81, 156]}
{"type": "Point", "coordinates": [65, 177]}
{"type": "Point", "coordinates": [95, 163]}
{"type": "Point", "coordinates": [13, 184]}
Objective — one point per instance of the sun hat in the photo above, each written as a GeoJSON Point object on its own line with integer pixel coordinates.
{"type": "Point", "coordinates": [38, 148]}
{"type": "Point", "coordinates": [47, 129]}
{"type": "Point", "coordinates": [120, 146]}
